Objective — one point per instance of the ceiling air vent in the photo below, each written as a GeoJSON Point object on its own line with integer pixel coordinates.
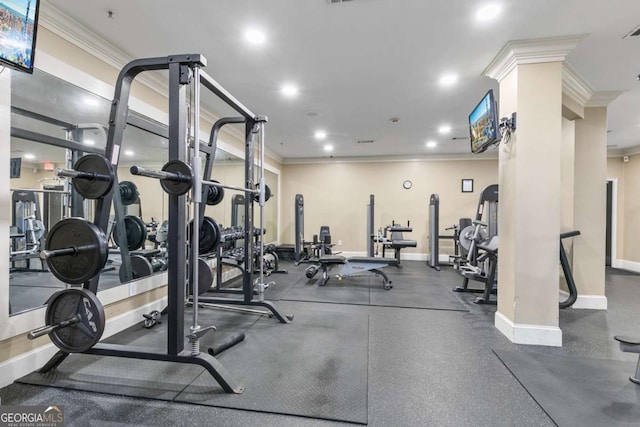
{"type": "Point", "coordinates": [633, 33]}
{"type": "Point", "coordinates": [337, 1]}
{"type": "Point", "coordinates": [365, 141]}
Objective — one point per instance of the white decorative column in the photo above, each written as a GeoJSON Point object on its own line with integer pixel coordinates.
{"type": "Point", "coordinates": [529, 212]}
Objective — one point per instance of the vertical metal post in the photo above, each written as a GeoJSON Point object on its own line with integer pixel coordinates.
{"type": "Point", "coordinates": [176, 242]}
{"type": "Point", "coordinates": [247, 279]}
{"type": "Point", "coordinates": [299, 226]}
{"type": "Point", "coordinates": [261, 204]}
{"type": "Point", "coordinates": [370, 226]}
{"type": "Point", "coordinates": [196, 192]}
{"type": "Point", "coordinates": [434, 229]}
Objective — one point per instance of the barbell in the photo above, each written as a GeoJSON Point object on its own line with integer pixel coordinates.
{"type": "Point", "coordinates": [75, 320]}
{"type": "Point", "coordinates": [176, 178]}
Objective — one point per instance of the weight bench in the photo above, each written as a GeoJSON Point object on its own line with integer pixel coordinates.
{"type": "Point", "coordinates": [350, 267]}
{"type": "Point", "coordinates": [631, 345]}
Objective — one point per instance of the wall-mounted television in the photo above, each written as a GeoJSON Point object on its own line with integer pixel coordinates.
{"type": "Point", "coordinates": [18, 25]}
{"type": "Point", "coordinates": [16, 165]}
{"type": "Point", "coordinates": [483, 124]}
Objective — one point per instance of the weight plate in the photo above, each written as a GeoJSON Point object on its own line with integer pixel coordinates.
{"type": "Point", "coordinates": [205, 276]}
{"type": "Point", "coordinates": [173, 187]}
{"type": "Point", "coordinates": [267, 193]}
{"type": "Point", "coordinates": [140, 267]}
{"type": "Point", "coordinates": [83, 265]}
{"type": "Point", "coordinates": [136, 231]}
{"type": "Point", "coordinates": [215, 195]}
{"type": "Point", "coordinates": [128, 192]}
{"type": "Point", "coordinates": [93, 188]}
{"type": "Point", "coordinates": [80, 303]}
{"type": "Point", "coordinates": [209, 235]}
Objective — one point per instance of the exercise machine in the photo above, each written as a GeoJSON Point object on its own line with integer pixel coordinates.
{"type": "Point", "coordinates": [391, 237]}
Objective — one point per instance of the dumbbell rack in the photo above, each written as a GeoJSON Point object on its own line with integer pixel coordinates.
{"type": "Point", "coordinates": [181, 68]}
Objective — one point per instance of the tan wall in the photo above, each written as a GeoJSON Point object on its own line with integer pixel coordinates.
{"type": "Point", "coordinates": [631, 210]}
{"type": "Point", "coordinates": [615, 170]}
{"type": "Point", "coordinates": [337, 194]}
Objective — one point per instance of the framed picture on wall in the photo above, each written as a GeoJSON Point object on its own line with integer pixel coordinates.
{"type": "Point", "coordinates": [467, 186]}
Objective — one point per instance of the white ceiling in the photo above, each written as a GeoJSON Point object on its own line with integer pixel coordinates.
{"type": "Point", "coordinates": [362, 62]}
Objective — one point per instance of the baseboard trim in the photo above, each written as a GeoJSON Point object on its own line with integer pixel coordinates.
{"type": "Point", "coordinates": [587, 302]}
{"type": "Point", "coordinates": [528, 334]}
{"type": "Point", "coordinates": [626, 265]}
{"type": "Point", "coordinates": [21, 365]}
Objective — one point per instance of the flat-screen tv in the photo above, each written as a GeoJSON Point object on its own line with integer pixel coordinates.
{"type": "Point", "coordinates": [16, 165]}
{"type": "Point", "coordinates": [483, 124]}
{"type": "Point", "coordinates": [18, 24]}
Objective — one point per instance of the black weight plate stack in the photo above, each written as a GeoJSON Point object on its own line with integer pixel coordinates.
{"type": "Point", "coordinates": [128, 192]}
{"type": "Point", "coordinates": [87, 330]}
{"type": "Point", "coordinates": [215, 195]}
{"type": "Point", "coordinates": [83, 265]}
{"type": "Point", "coordinates": [93, 188]}
{"type": "Point", "coordinates": [136, 231]}
{"type": "Point", "coordinates": [205, 276]}
{"type": "Point", "coordinates": [267, 193]}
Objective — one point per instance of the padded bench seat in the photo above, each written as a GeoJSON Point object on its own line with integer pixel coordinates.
{"type": "Point", "coordinates": [402, 244]}
{"type": "Point", "coordinates": [332, 259]}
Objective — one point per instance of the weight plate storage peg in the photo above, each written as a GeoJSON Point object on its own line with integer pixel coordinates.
{"type": "Point", "coordinates": [100, 176]}
{"type": "Point", "coordinates": [75, 320]}
{"type": "Point", "coordinates": [136, 231]}
{"type": "Point", "coordinates": [76, 250]}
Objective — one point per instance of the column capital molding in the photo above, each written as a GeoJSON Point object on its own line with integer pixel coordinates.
{"type": "Point", "coordinates": [530, 51]}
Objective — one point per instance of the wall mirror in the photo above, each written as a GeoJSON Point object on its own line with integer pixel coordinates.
{"type": "Point", "coordinates": [54, 129]}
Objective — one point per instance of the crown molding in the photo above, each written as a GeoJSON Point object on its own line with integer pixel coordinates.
{"type": "Point", "coordinates": [603, 98]}
{"type": "Point", "coordinates": [62, 25]}
{"type": "Point", "coordinates": [575, 86]}
{"type": "Point", "coordinates": [391, 159]}
{"type": "Point", "coordinates": [531, 51]}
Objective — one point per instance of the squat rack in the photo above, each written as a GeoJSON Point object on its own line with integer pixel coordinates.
{"type": "Point", "coordinates": [182, 70]}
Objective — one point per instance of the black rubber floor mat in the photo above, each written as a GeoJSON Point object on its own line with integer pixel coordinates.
{"type": "Point", "coordinates": [597, 391]}
{"type": "Point", "coordinates": [314, 367]}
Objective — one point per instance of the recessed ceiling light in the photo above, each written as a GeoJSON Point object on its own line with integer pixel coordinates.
{"type": "Point", "coordinates": [431, 144]}
{"type": "Point", "coordinates": [328, 147]}
{"type": "Point", "coordinates": [128, 153]}
{"type": "Point", "coordinates": [444, 129]}
{"type": "Point", "coordinates": [255, 36]}
{"type": "Point", "coordinates": [488, 12]}
{"type": "Point", "coordinates": [89, 142]}
{"type": "Point", "coordinates": [448, 79]}
{"type": "Point", "coordinates": [320, 134]}
{"type": "Point", "coordinates": [29, 156]}
{"type": "Point", "coordinates": [289, 90]}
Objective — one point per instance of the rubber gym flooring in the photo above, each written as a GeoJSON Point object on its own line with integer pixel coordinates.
{"type": "Point", "coordinates": [381, 359]}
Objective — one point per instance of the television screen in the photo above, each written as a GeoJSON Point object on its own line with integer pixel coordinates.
{"type": "Point", "coordinates": [18, 23]}
{"type": "Point", "coordinates": [483, 124]}
{"type": "Point", "coordinates": [16, 164]}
